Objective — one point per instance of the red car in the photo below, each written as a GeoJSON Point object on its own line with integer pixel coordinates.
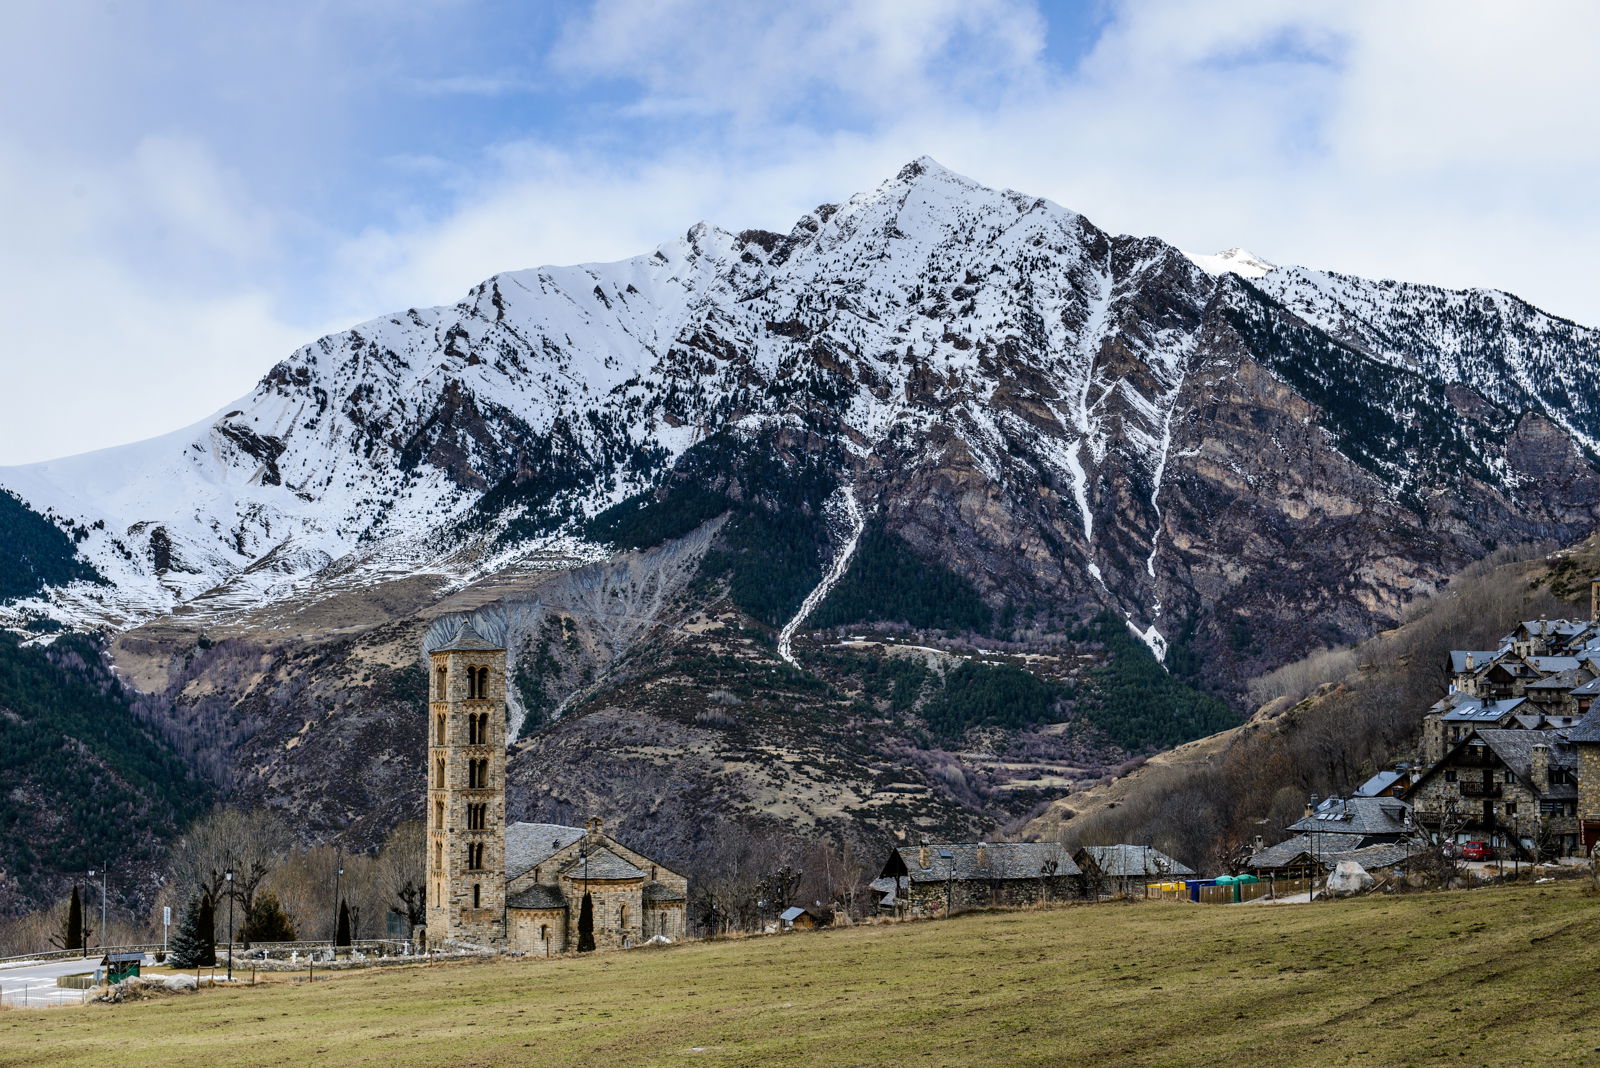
{"type": "Point", "coordinates": [1477, 851]}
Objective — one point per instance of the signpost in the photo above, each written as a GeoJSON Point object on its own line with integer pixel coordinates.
{"type": "Point", "coordinates": [166, 922]}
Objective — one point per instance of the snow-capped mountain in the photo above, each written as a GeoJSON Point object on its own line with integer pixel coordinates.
{"type": "Point", "coordinates": [1232, 261]}
{"type": "Point", "coordinates": [1073, 420]}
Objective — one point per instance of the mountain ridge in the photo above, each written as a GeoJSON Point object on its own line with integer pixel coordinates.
{"type": "Point", "coordinates": [1056, 438]}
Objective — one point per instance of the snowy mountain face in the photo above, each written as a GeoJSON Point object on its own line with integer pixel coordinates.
{"type": "Point", "coordinates": [1253, 458]}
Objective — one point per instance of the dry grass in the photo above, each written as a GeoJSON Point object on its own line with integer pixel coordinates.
{"type": "Point", "coordinates": [1498, 976]}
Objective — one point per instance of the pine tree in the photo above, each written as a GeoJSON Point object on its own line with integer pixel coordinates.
{"type": "Point", "coordinates": [267, 921]}
{"type": "Point", "coordinates": [191, 945]}
{"type": "Point", "coordinates": [343, 937]}
{"type": "Point", "coordinates": [586, 925]}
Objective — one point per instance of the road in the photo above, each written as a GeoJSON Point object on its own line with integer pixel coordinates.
{"type": "Point", "coordinates": [33, 985]}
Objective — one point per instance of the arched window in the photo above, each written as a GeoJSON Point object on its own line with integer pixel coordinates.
{"type": "Point", "coordinates": [482, 676]}
{"type": "Point", "coordinates": [622, 918]}
{"type": "Point", "coordinates": [440, 725]}
{"type": "Point", "coordinates": [438, 773]}
{"type": "Point", "coordinates": [438, 814]}
{"type": "Point", "coordinates": [438, 856]}
{"type": "Point", "coordinates": [440, 687]}
{"type": "Point", "coordinates": [483, 728]}
{"type": "Point", "coordinates": [477, 896]}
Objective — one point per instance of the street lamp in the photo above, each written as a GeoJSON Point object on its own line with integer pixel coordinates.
{"type": "Point", "coordinates": [228, 878]}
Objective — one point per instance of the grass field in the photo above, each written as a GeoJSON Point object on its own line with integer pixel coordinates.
{"type": "Point", "coordinates": [1495, 976]}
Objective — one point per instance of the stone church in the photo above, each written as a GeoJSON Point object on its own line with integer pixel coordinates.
{"type": "Point", "coordinates": [526, 887]}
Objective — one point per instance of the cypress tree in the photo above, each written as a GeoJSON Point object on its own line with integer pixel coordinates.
{"type": "Point", "coordinates": [192, 945]}
{"type": "Point", "coordinates": [75, 933]}
{"type": "Point", "coordinates": [343, 937]}
{"type": "Point", "coordinates": [586, 925]}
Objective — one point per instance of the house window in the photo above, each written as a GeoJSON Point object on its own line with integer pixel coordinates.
{"type": "Point", "coordinates": [1511, 808]}
{"type": "Point", "coordinates": [1507, 777]}
{"type": "Point", "coordinates": [1450, 775]}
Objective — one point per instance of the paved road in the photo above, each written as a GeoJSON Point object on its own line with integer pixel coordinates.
{"type": "Point", "coordinates": [34, 985]}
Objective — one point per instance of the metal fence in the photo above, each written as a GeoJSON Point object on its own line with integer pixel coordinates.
{"type": "Point", "coordinates": [392, 947]}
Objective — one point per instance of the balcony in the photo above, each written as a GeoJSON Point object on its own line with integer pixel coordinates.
{"type": "Point", "coordinates": [1480, 789]}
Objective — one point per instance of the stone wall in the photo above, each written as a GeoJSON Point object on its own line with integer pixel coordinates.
{"type": "Point", "coordinates": [929, 898]}
{"type": "Point", "coordinates": [538, 932]}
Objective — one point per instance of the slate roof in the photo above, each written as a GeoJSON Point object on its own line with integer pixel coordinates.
{"type": "Point", "coordinates": [1515, 749]}
{"type": "Point", "coordinates": [1285, 852]}
{"type": "Point", "coordinates": [1374, 855]}
{"type": "Point", "coordinates": [1588, 728]}
{"type": "Point", "coordinates": [467, 640]}
{"type": "Point", "coordinates": [1002, 860]}
{"type": "Point", "coordinates": [1383, 855]}
{"type": "Point", "coordinates": [528, 844]}
{"type": "Point", "coordinates": [537, 897]}
{"type": "Point", "coordinates": [1480, 658]}
{"type": "Point", "coordinates": [1123, 861]}
{"type": "Point", "coordinates": [1379, 783]}
{"type": "Point", "coordinates": [601, 864]}
{"type": "Point", "coordinates": [661, 892]}
{"type": "Point", "coordinates": [1569, 679]}
{"type": "Point", "coordinates": [1377, 816]}
{"type": "Point", "coordinates": [1588, 689]}
{"type": "Point", "coordinates": [1553, 663]}
{"type": "Point", "coordinates": [1474, 710]}
{"type": "Point", "coordinates": [792, 913]}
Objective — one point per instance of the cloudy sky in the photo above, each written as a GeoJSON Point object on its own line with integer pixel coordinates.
{"type": "Point", "coordinates": [188, 191]}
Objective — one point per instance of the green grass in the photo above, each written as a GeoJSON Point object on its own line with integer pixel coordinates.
{"type": "Point", "coordinates": [1499, 976]}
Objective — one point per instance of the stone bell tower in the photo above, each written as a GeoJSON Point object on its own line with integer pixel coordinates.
{"type": "Point", "coordinates": [466, 861]}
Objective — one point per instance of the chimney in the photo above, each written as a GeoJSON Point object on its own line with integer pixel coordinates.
{"type": "Point", "coordinates": [1594, 599]}
{"type": "Point", "coordinates": [1311, 806]}
{"type": "Point", "coordinates": [922, 855]}
{"type": "Point", "coordinates": [1541, 768]}
{"type": "Point", "coordinates": [1469, 661]}
{"type": "Point", "coordinates": [983, 854]}
{"type": "Point", "coordinates": [594, 827]}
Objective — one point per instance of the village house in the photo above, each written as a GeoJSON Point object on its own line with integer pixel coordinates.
{"type": "Point", "coordinates": [1126, 868]}
{"type": "Point", "coordinates": [530, 888]}
{"type": "Point", "coordinates": [1339, 828]}
{"type": "Point", "coordinates": [934, 879]}
{"type": "Point", "coordinates": [1512, 789]}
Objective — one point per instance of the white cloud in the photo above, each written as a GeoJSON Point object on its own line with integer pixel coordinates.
{"type": "Point", "coordinates": [1444, 142]}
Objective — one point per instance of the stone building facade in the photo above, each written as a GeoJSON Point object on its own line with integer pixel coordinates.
{"type": "Point", "coordinates": [520, 888]}
{"type": "Point", "coordinates": [1514, 789]}
{"type": "Point", "coordinates": [931, 879]}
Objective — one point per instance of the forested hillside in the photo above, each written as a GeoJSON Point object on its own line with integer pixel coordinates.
{"type": "Point", "coordinates": [85, 784]}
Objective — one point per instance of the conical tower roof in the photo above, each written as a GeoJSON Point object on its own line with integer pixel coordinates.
{"type": "Point", "coordinates": [468, 640]}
